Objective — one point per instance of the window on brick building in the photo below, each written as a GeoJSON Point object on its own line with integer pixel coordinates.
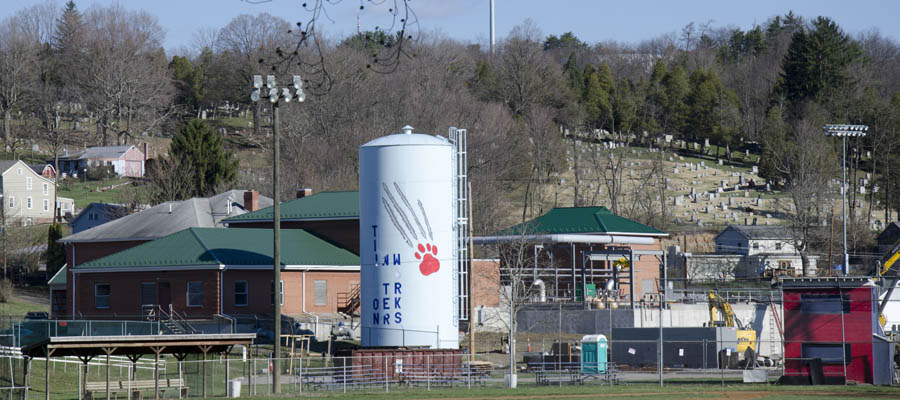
{"type": "Point", "coordinates": [320, 293]}
{"type": "Point", "coordinates": [195, 294]}
{"type": "Point", "coordinates": [101, 295]}
{"type": "Point", "coordinates": [272, 293]}
{"type": "Point", "coordinates": [241, 293]}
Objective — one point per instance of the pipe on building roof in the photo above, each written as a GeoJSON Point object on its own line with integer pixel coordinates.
{"type": "Point", "coordinates": [564, 238]}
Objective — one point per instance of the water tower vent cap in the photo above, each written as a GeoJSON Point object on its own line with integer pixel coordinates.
{"type": "Point", "coordinates": [407, 130]}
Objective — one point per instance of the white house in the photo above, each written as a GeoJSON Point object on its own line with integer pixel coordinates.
{"type": "Point", "coordinates": [753, 240]}
{"type": "Point", "coordinates": [743, 252]}
{"type": "Point", "coordinates": [27, 197]}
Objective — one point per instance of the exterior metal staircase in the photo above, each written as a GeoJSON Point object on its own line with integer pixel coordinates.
{"type": "Point", "coordinates": [173, 322]}
{"type": "Point", "coordinates": [349, 302]}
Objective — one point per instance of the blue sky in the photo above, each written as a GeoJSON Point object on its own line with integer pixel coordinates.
{"type": "Point", "coordinates": [592, 21]}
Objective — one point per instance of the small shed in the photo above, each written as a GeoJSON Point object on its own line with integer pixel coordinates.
{"type": "Point", "coordinates": [832, 333]}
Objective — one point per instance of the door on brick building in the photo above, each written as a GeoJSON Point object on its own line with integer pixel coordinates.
{"type": "Point", "coordinates": [148, 299]}
{"type": "Point", "coordinates": [165, 296]}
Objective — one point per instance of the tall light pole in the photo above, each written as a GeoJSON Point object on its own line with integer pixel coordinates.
{"type": "Point", "coordinates": [492, 26]}
{"type": "Point", "coordinates": [843, 130]}
{"type": "Point", "coordinates": [275, 96]}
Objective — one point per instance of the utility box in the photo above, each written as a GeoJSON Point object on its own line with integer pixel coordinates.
{"type": "Point", "coordinates": [593, 354]}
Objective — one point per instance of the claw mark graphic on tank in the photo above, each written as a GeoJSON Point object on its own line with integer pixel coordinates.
{"type": "Point", "coordinates": [426, 252]}
{"type": "Point", "coordinates": [411, 211]}
{"type": "Point", "coordinates": [393, 217]}
{"type": "Point", "coordinates": [402, 214]}
{"type": "Point", "coordinates": [425, 217]}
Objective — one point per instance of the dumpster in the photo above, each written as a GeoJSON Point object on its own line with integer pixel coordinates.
{"type": "Point", "coordinates": [593, 354]}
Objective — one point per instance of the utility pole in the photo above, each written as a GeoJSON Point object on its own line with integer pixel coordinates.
{"type": "Point", "coordinates": [471, 281]}
{"type": "Point", "coordinates": [276, 252]}
{"type": "Point", "coordinates": [273, 95]}
{"type": "Point", "coordinates": [831, 240]}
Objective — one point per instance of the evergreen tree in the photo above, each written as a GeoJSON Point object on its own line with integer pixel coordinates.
{"type": "Point", "coordinates": [68, 44]}
{"type": "Point", "coordinates": [574, 73]}
{"type": "Point", "coordinates": [56, 252]}
{"type": "Point", "coordinates": [654, 98]}
{"type": "Point", "coordinates": [567, 40]}
{"type": "Point", "coordinates": [483, 83]}
{"type": "Point", "coordinates": [624, 107]}
{"type": "Point", "coordinates": [369, 41]}
{"type": "Point", "coordinates": [188, 82]}
{"type": "Point", "coordinates": [815, 66]}
{"type": "Point", "coordinates": [198, 147]}
{"type": "Point", "coordinates": [604, 76]}
{"type": "Point", "coordinates": [775, 131]}
{"type": "Point", "coordinates": [659, 72]}
{"type": "Point", "coordinates": [676, 88]}
{"type": "Point", "coordinates": [711, 108]}
{"type": "Point", "coordinates": [597, 104]}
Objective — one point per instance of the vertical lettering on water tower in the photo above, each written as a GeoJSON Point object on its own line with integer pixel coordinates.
{"type": "Point", "coordinates": [387, 306]}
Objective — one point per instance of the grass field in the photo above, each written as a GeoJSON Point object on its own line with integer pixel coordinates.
{"type": "Point", "coordinates": [85, 193]}
{"type": "Point", "coordinates": [18, 307]}
{"type": "Point", "coordinates": [64, 376]}
{"type": "Point", "coordinates": [631, 391]}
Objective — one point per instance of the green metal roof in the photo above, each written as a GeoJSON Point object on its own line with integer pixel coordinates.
{"type": "Point", "coordinates": [580, 220]}
{"type": "Point", "coordinates": [231, 247]}
{"type": "Point", "coordinates": [60, 277]}
{"type": "Point", "coordinates": [324, 205]}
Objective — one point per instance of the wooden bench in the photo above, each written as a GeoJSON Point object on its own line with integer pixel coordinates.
{"type": "Point", "coordinates": [115, 387]}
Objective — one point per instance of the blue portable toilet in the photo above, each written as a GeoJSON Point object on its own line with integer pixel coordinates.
{"type": "Point", "coordinates": [593, 354]}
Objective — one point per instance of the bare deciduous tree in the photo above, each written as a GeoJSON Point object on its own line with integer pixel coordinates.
{"type": "Point", "coordinates": [126, 77]}
{"type": "Point", "coordinates": [247, 41]}
{"type": "Point", "coordinates": [18, 58]}
{"type": "Point", "coordinates": [801, 156]}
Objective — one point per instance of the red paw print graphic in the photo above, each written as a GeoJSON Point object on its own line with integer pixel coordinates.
{"type": "Point", "coordinates": [429, 264]}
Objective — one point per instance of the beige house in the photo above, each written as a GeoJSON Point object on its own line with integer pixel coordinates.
{"type": "Point", "coordinates": [27, 196]}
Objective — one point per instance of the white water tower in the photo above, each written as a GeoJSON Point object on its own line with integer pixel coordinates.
{"type": "Point", "coordinates": [407, 241]}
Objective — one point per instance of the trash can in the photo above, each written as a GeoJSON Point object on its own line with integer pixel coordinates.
{"type": "Point", "coordinates": [234, 388]}
{"type": "Point", "coordinates": [593, 354]}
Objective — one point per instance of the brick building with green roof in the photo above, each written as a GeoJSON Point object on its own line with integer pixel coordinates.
{"type": "Point", "coordinates": [333, 216]}
{"type": "Point", "coordinates": [565, 239]}
{"type": "Point", "coordinates": [202, 272]}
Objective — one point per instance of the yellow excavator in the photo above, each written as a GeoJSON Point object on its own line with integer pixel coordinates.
{"type": "Point", "coordinates": [718, 306]}
{"type": "Point", "coordinates": [886, 278]}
